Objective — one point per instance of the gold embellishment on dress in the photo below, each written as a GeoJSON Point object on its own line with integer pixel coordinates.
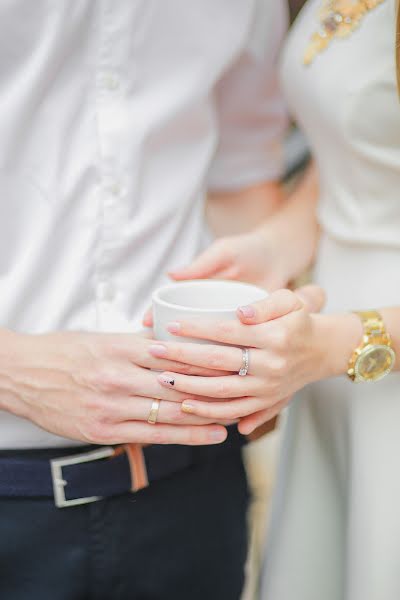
{"type": "Point", "coordinates": [338, 18]}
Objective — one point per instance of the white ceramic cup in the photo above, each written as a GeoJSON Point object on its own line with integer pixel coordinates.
{"type": "Point", "coordinates": [209, 299]}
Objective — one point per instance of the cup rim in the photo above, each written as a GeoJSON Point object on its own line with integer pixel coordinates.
{"type": "Point", "coordinates": [204, 282]}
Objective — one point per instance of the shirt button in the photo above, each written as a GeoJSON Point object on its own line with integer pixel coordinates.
{"type": "Point", "coordinates": [115, 189]}
{"type": "Point", "coordinates": [114, 192]}
{"type": "Point", "coordinates": [106, 292]}
{"type": "Point", "coordinates": [111, 81]}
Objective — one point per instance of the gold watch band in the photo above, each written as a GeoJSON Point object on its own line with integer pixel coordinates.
{"type": "Point", "coordinates": [374, 327]}
{"type": "Point", "coordinates": [374, 358]}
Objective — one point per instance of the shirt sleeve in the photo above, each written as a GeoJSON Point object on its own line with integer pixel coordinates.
{"type": "Point", "coordinates": [250, 109]}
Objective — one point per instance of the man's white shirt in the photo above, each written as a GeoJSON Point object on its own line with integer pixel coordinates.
{"type": "Point", "coordinates": [115, 118]}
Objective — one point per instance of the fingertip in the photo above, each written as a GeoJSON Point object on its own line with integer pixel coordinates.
{"type": "Point", "coordinates": [175, 275]}
{"type": "Point", "coordinates": [218, 434]}
{"type": "Point", "coordinates": [245, 427]}
{"type": "Point", "coordinates": [247, 312]}
{"type": "Point", "coordinates": [249, 315]}
{"type": "Point", "coordinates": [183, 273]}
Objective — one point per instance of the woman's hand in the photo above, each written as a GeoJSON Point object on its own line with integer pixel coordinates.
{"type": "Point", "coordinates": [97, 388]}
{"type": "Point", "coordinates": [286, 353]}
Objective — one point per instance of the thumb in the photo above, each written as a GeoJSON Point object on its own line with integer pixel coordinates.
{"type": "Point", "coordinates": [313, 297]}
{"type": "Point", "coordinates": [147, 320]}
{"type": "Point", "coordinates": [281, 303]}
{"type": "Point", "coordinates": [210, 262]}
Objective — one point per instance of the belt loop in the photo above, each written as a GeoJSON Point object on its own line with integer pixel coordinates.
{"type": "Point", "coordinates": [137, 464]}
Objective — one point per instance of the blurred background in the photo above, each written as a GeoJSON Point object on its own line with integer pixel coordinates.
{"type": "Point", "coordinates": [261, 456]}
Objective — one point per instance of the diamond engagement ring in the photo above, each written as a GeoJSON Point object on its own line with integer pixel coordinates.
{"type": "Point", "coordinates": [245, 363]}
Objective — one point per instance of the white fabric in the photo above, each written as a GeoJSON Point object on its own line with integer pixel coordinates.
{"type": "Point", "coordinates": [335, 529]}
{"type": "Point", "coordinates": [109, 127]}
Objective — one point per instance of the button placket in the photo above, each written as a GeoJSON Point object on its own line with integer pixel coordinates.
{"type": "Point", "coordinates": [110, 81]}
{"type": "Point", "coordinates": [109, 97]}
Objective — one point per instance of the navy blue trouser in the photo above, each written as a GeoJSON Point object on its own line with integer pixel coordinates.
{"type": "Point", "coordinates": [183, 538]}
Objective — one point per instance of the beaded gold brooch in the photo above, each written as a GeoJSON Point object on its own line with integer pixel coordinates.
{"type": "Point", "coordinates": [338, 18]}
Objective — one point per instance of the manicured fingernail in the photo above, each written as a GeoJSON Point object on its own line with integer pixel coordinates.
{"type": "Point", "coordinates": [173, 327]}
{"type": "Point", "coordinates": [248, 312]}
{"type": "Point", "coordinates": [157, 350]}
{"type": "Point", "coordinates": [217, 435]}
{"type": "Point", "coordinates": [187, 407]}
{"type": "Point", "coordinates": [166, 380]}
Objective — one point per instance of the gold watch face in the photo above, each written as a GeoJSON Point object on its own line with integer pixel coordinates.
{"type": "Point", "coordinates": [374, 362]}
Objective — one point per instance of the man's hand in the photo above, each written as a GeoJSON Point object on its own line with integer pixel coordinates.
{"type": "Point", "coordinates": [272, 255]}
{"type": "Point", "coordinates": [96, 388]}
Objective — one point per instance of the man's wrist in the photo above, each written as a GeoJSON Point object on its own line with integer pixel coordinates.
{"type": "Point", "coordinates": [9, 349]}
{"type": "Point", "coordinates": [336, 337]}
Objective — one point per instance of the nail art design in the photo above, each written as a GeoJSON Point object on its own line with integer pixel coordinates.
{"type": "Point", "coordinates": [167, 380]}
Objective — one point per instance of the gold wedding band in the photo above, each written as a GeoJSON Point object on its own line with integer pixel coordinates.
{"type": "Point", "coordinates": [153, 414]}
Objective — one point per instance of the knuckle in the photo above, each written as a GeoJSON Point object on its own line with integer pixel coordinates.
{"type": "Point", "coordinates": [97, 432]}
{"type": "Point", "coordinates": [224, 328]}
{"type": "Point", "coordinates": [280, 338]}
{"type": "Point", "coordinates": [98, 413]}
{"type": "Point", "coordinates": [223, 390]}
{"type": "Point", "coordinates": [274, 390]}
{"type": "Point", "coordinates": [219, 390]}
{"type": "Point", "coordinates": [234, 414]}
{"type": "Point", "coordinates": [215, 358]}
{"type": "Point", "coordinates": [195, 436]}
{"type": "Point", "coordinates": [184, 369]}
{"type": "Point", "coordinates": [193, 370]}
{"type": "Point", "coordinates": [178, 354]}
{"type": "Point", "coordinates": [207, 412]}
{"type": "Point", "coordinates": [95, 406]}
{"type": "Point", "coordinates": [103, 378]}
{"type": "Point", "coordinates": [158, 436]}
{"type": "Point", "coordinates": [176, 414]}
{"type": "Point", "coordinates": [291, 299]}
{"type": "Point", "coordinates": [192, 437]}
{"type": "Point", "coordinates": [279, 365]}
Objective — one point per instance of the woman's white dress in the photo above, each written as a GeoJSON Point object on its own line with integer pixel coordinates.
{"type": "Point", "coordinates": [335, 529]}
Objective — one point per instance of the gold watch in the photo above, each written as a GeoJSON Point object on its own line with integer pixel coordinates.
{"type": "Point", "coordinates": [374, 358]}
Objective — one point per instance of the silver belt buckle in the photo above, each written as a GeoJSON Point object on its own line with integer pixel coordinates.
{"type": "Point", "coordinates": [59, 483]}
